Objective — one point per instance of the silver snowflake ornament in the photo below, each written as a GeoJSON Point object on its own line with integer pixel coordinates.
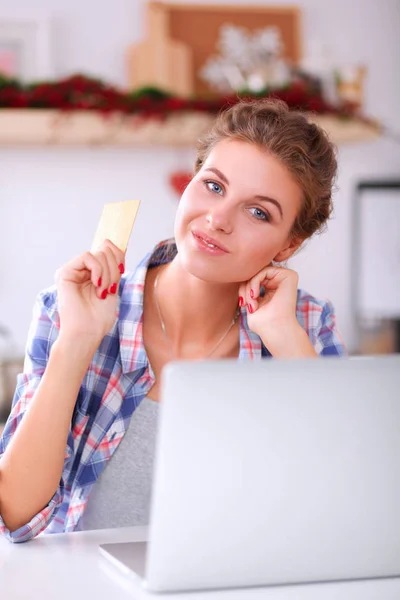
{"type": "Point", "coordinates": [247, 60]}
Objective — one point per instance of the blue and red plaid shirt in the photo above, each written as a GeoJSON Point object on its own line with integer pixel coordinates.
{"type": "Point", "coordinates": [118, 378]}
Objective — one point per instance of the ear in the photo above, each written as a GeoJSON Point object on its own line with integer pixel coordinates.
{"type": "Point", "coordinates": [286, 253]}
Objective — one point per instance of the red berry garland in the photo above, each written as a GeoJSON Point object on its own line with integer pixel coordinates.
{"type": "Point", "coordinates": [85, 93]}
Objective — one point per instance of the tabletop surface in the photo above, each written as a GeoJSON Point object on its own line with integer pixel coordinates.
{"type": "Point", "coordinates": [70, 566]}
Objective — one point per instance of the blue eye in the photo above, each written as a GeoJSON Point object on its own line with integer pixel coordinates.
{"type": "Point", "coordinates": [260, 215]}
{"type": "Point", "coordinates": [213, 186]}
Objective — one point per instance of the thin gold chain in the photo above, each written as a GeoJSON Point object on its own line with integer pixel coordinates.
{"type": "Point", "coordinates": [232, 323]}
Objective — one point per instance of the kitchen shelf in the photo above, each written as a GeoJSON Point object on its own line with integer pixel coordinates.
{"type": "Point", "coordinates": [40, 127]}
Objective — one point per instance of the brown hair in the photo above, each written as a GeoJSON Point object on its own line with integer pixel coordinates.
{"type": "Point", "coordinates": [303, 147]}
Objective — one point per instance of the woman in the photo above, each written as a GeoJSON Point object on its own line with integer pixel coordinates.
{"type": "Point", "coordinates": [262, 185]}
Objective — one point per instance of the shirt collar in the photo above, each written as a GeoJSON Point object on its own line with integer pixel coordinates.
{"type": "Point", "coordinates": [130, 323]}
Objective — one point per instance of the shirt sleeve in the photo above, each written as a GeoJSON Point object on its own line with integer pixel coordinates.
{"type": "Point", "coordinates": [327, 340]}
{"type": "Point", "coordinates": [43, 332]}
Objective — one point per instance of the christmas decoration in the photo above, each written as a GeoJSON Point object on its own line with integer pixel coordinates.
{"type": "Point", "coordinates": [250, 61]}
{"type": "Point", "coordinates": [179, 180]}
{"type": "Point", "coordinates": [85, 93]}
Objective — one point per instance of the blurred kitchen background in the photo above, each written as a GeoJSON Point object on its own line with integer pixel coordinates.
{"type": "Point", "coordinates": [57, 169]}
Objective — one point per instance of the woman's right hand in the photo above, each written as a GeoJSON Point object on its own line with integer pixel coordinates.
{"type": "Point", "coordinates": [87, 291]}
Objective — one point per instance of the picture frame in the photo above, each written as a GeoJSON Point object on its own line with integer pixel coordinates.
{"type": "Point", "coordinates": [25, 46]}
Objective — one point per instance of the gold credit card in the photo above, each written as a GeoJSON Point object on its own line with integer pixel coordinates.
{"type": "Point", "coordinates": [116, 223]}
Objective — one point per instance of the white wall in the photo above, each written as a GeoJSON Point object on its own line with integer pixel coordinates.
{"type": "Point", "coordinates": [51, 199]}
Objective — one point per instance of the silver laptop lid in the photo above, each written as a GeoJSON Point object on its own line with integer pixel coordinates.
{"type": "Point", "coordinates": [276, 472]}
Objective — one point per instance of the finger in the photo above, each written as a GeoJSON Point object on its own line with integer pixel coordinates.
{"type": "Point", "coordinates": [275, 276]}
{"type": "Point", "coordinates": [242, 294]}
{"type": "Point", "coordinates": [118, 254]}
{"type": "Point", "coordinates": [256, 282]}
{"type": "Point", "coordinates": [258, 285]}
{"type": "Point", "coordinates": [271, 278]}
{"type": "Point", "coordinates": [254, 303]}
{"type": "Point", "coordinates": [115, 274]}
{"type": "Point", "coordinates": [80, 269]}
{"type": "Point", "coordinates": [272, 284]}
{"type": "Point", "coordinates": [251, 300]}
{"type": "Point", "coordinates": [281, 272]}
{"type": "Point", "coordinates": [252, 306]}
{"type": "Point", "coordinates": [104, 282]}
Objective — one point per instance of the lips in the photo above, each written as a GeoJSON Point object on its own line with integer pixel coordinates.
{"type": "Point", "coordinates": [209, 240]}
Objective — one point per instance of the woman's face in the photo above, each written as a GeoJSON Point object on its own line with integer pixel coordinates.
{"type": "Point", "coordinates": [236, 214]}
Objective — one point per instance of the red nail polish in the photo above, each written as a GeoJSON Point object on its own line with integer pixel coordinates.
{"type": "Point", "coordinates": [113, 288]}
{"type": "Point", "coordinates": [104, 294]}
{"type": "Point", "coordinates": [250, 308]}
{"type": "Point", "coordinates": [241, 301]}
{"type": "Point", "coordinates": [121, 268]}
{"type": "Point", "coordinates": [251, 293]}
{"type": "Point", "coordinates": [99, 282]}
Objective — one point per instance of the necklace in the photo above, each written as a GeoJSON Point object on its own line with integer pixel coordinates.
{"type": "Point", "coordinates": [232, 323]}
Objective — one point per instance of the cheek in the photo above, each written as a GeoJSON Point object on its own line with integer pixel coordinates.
{"type": "Point", "coordinates": [258, 239]}
{"type": "Point", "coordinates": [257, 251]}
{"type": "Point", "coordinates": [186, 201]}
{"type": "Point", "coordinates": [178, 223]}
{"type": "Point", "coordinates": [185, 213]}
{"type": "Point", "coordinates": [191, 205]}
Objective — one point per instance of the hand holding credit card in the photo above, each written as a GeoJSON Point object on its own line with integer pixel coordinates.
{"type": "Point", "coordinates": [94, 276]}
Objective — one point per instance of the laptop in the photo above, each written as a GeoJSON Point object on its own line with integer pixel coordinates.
{"type": "Point", "coordinates": [271, 473]}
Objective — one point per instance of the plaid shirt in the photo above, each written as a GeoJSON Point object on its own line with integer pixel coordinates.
{"type": "Point", "coordinates": [117, 379]}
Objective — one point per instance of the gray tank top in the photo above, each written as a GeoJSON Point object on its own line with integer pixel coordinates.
{"type": "Point", "coordinates": [121, 495]}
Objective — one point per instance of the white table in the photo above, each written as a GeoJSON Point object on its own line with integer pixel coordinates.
{"type": "Point", "coordinates": [70, 567]}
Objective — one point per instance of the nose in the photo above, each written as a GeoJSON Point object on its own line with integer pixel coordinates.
{"type": "Point", "coordinates": [220, 219]}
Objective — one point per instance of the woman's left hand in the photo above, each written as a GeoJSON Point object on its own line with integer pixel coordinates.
{"type": "Point", "coordinates": [273, 317]}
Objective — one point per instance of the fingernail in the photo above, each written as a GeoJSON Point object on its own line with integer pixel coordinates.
{"type": "Point", "coordinates": [251, 293]}
{"type": "Point", "coordinates": [250, 308]}
{"type": "Point", "coordinates": [113, 288]}
{"type": "Point", "coordinates": [104, 294]}
{"type": "Point", "coordinates": [241, 301]}
{"type": "Point", "coordinates": [99, 282]}
{"type": "Point", "coordinates": [121, 268]}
